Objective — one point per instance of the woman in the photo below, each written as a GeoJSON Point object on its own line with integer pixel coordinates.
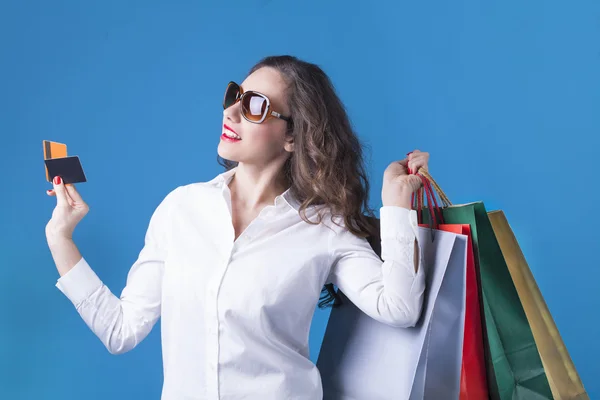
{"type": "Point", "coordinates": [235, 266]}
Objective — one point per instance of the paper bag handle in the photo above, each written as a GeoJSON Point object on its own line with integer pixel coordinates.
{"type": "Point", "coordinates": [428, 193]}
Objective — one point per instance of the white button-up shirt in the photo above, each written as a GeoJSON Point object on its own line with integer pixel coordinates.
{"type": "Point", "coordinates": [236, 314]}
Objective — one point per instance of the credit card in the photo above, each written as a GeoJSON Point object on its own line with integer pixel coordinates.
{"type": "Point", "coordinates": [53, 150]}
{"type": "Point", "coordinates": [68, 168]}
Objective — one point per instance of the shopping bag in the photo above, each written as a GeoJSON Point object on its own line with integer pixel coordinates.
{"type": "Point", "coordinates": [514, 367]}
{"type": "Point", "coordinates": [473, 381]}
{"type": "Point", "coordinates": [564, 380]}
{"type": "Point", "coordinates": [363, 359]}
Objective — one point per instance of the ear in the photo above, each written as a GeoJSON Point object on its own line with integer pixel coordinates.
{"type": "Point", "coordinates": [289, 144]}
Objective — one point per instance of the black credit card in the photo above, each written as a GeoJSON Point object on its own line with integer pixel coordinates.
{"type": "Point", "coordinates": [68, 168]}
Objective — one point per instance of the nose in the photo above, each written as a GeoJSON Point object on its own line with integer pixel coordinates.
{"type": "Point", "coordinates": [233, 113]}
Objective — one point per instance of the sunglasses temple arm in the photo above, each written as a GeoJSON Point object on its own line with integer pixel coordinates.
{"type": "Point", "coordinates": [277, 115]}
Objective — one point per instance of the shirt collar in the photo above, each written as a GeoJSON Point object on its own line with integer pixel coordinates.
{"type": "Point", "coordinates": [224, 178]}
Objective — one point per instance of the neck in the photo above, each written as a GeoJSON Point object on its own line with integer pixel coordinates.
{"type": "Point", "coordinates": [253, 187]}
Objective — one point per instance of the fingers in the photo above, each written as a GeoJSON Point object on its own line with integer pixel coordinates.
{"type": "Point", "coordinates": [402, 167]}
{"type": "Point", "coordinates": [416, 182]}
{"type": "Point", "coordinates": [416, 160]}
{"type": "Point", "coordinates": [52, 192]}
{"type": "Point", "coordinates": [413, 153]}
{"type": "Point", "coordinates": [60, 191]}
{"type": "Point", "coordinates": [73, 193]}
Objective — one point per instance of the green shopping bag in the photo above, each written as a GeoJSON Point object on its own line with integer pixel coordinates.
{"type": "Point", "coordinates": [514, 366]}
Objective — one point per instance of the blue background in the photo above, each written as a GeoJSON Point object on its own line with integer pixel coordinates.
{"type": "Point", "coordinates": [504, 95]}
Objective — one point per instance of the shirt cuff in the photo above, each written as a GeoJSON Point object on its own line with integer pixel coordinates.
{"type": "Point", "coordinates": [398, 223]}
{"type": "Point", "coordinates": [79, 283]}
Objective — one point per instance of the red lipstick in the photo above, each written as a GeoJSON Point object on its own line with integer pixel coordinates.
{"type": "Point", "coordinates": [228, 128]}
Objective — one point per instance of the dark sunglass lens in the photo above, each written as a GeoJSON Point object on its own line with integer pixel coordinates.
{"type": "Point", "coordinates": [231, 95]}
{"type": "Point", "coordinates": [254, 106]}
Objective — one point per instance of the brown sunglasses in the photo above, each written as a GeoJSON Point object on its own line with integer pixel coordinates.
{"type": "Point", "coordinates": [256, 107]}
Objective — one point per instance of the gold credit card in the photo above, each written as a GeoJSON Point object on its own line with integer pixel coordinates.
{"type": "Point", "coordinates": [53, 150]}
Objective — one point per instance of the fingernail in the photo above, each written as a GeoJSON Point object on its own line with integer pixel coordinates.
{"type": "Point", "coordinates": [57, 180]}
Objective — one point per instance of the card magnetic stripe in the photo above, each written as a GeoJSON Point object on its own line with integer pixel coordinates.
{"type": "Point", "coordinates": [48, 148]}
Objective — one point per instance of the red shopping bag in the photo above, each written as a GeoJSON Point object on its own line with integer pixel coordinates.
{"type": "Point", "coordinates": [473, 380]}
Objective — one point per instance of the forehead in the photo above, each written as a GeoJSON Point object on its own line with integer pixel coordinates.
{"type": "Point", "coordinates": [269, 82]}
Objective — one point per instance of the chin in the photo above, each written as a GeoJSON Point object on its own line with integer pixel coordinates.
{"type": "Point", "coordinates": [227, 155]}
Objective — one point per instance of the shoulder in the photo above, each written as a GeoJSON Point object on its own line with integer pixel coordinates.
{"type": "Point", "coordinates": [343, 240]}
{"type": "Point", "coordinates": [337, 224]}
{"type": "Point", "coordinates": [336, 227]}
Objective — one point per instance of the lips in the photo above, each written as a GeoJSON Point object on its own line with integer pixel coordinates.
{"type": "Point", "coordinates": [229, 139]}
{"type": "Point", "coordinates": [230, 134]}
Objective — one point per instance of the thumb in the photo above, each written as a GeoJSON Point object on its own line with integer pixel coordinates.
{"type": "Point", "coordinates": [59, 189]}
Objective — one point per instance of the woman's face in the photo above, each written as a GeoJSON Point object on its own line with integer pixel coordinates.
{"type": "Point", "coordinates": [260, 144]}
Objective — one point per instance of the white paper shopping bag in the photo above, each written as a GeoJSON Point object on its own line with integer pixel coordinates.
{"type": "Point", "coordinates": [443, 347]}
{"type": "Point", "coordinates": [363, 359]}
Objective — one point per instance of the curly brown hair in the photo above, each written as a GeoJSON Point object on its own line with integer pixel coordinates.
{"type": "Point", "coordinates": [327, 164]}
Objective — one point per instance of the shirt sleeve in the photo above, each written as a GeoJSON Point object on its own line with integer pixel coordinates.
{"type": "Point", "coordinates": [391, 291]}
{"type": "Point", "coordinates": [122, 323]}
